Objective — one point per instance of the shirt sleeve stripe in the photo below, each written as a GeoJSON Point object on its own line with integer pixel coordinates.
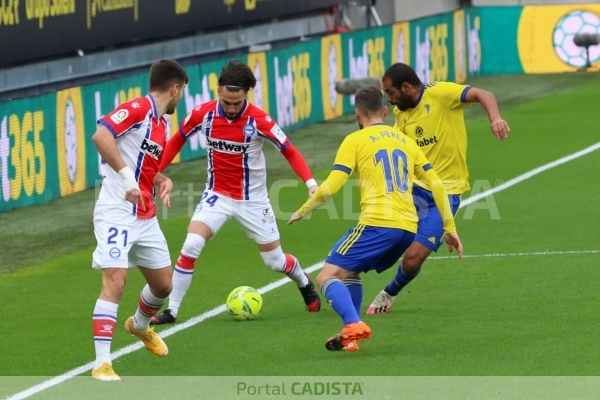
{"type": "Point", "coordinates": [275, 142]}
{"type": "Point", "coordinates": [342, 168]}
{"type": "Point", "coordinates": [191, 132]}
{"type": "Point", "coordinates": [427, 167]}
{"type": "Point", "coordinates": [463, 96]}
{"type": "Point", "coordinates": [110, 128]}
{"type": "Point", "coordinates": [285, 145]}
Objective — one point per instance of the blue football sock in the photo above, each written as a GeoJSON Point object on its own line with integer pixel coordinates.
{"type": "Point", "coordinates": [341, 301]}
{"type": "Point", "coordinates": [400, 280]}
{"type": "Point", "coordinates": [354, 285]}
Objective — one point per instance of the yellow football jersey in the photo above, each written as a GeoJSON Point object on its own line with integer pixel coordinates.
{"type": "Point", "coordinates": [437, 125]}
{"type": "Point", "coordinates": [385, 162]}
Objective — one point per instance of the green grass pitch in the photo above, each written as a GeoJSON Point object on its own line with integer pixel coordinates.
{"type": "Point", "coordinates": [523, 303]}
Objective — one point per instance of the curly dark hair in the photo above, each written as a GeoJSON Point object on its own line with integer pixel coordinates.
{"type": "Point", "coordinates": [237, 75]}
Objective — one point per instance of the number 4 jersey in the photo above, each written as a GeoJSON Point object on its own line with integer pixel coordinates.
{"type": "Point", "coordinates": [385, 162]}
{"type": "Point", "coordinates": [236, 163]}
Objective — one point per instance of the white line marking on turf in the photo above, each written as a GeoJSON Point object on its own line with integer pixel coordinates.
{"type": "Point", "coordinates": [218, 310]}
{"type": "Point", "coordinates": [530, 174]}
{"type": "Point", "coordinates": [139, 345]}
{"type": "Point", "coordinates": [536, 253]}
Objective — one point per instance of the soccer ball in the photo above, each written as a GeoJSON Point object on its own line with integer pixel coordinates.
{"type": "Point", "coordinates": [244, 303]}
{"type": "Point", "coordinates": [571, 24]}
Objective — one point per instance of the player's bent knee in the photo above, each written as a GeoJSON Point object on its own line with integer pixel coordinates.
{"type": "Point", "coordinates": [267, 247]}
{"type": "Point", "coordinates": [331, 271]}
{"type": "Point", "coordinates": [414, 259]}
{"type": "Point", "coordinates": [202, 229]}
{"type": "Point", "coordinates": [160, 280]}
{"type": "Point", "coordinates": [167, 289]}
{"type": "Point", "coordinates": [274, 259]}
{"type": "Point", "coordinates": [163, 289]}
{"type": "Point", "coordinates": [193, 245]}
{"type": "Point", "coordinates": [321, 278]}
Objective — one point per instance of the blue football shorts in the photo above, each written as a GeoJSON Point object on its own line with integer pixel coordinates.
{"type": "Point", "coordinates": [364, 248]}
{"type": "Point", "coordinates": [430, 232]}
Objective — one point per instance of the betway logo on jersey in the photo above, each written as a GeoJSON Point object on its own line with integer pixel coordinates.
{"type": "Point", "coordinates": [227, 147]}
{"type": "Point", "coordinates": [426, 142]}
{"type": "Point", "coordinates": [149, 147]}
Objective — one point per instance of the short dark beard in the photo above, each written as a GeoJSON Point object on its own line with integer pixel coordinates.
{"type": "Point", "coordinates": [405, 103]}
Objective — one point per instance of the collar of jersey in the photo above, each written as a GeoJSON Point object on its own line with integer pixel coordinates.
{"type": "Point", "coordinates": [154, 110]}
{"type": "Point", "coordinates": [221, 112]}
{"type": "Point", "coordinates": [420, 96]}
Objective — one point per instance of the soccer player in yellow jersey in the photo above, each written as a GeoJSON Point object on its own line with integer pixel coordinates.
{"type": "Point", "coordinates": [432, 115]}
{"type": "Point", "coordinates": [385, 163]}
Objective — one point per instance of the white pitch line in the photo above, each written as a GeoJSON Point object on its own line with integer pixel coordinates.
{"type": "Point", "coordinates": [218, 310]}
{"type": "Point", "coordinates": [535, 253]}
{"type": "Point", "coordinates": [530, 174]}
{"type": "Point", "coordinates": [139, 345]}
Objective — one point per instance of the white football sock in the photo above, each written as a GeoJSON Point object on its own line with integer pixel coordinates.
{"type": "Point", "coordinates": [104, 320]}
{"type": "Point", "coordinates": [148, 306]}
{"type": "Point", "coordinates": [287, 264]}
{"type": "Point", "coordinates": [184, 270]}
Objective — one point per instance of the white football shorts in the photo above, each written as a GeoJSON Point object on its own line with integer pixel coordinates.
{"type": "Point", "coordinates": [256, 217]}
{"type": "Point", "coordinates": [125, 241]}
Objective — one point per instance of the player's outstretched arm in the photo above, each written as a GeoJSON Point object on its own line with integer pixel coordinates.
{"type": "Point", "coordinates": [172, 148]}
{"type": "Point", "coordinates": [345, 161]}
{"type": "Point", "coordinates": [107, 147]}
{"type": "Point", "coordinates": [324, 193]}
{"type": "Point", "coordinates": [499, 127]}
{"type": "Point", "coordinates": [300, 167]}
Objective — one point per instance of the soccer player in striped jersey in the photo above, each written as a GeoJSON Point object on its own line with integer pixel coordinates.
{"type": "Point", "coordinates": [130, 140]}
{"type": "Point", "coordinates": [235, 131]}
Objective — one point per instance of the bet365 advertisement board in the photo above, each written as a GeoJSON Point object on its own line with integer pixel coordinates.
{"type": "Point", "coordinates": [45, 142]}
